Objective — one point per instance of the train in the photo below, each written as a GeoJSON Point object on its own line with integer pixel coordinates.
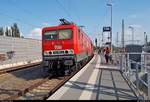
{"type": "Point", "coordinates": [65, 47]}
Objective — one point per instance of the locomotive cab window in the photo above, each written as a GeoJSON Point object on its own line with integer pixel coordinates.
{"type": "Point", "coordinates": [58, 34]}
{"type": "Point", "coordinates": [50, 35]}
{"type": "Point", "coordinates": [65, 34]}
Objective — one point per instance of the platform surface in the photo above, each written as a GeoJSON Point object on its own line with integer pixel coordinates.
{"type": "Point", "coordinates": [96, 82]}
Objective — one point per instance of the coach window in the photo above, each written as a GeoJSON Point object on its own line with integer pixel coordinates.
{"type": "Point", "coordinates": [87, 45]}
{"type": "Point", "coordinates": [79, 33]}
{"type": "Point", "coordinates": [65, 34]}
{"type": "Point", "coordinates": [82, 39]}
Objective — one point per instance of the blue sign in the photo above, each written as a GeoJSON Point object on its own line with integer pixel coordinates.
{"type": "Point", "coordinates": [106, 29]}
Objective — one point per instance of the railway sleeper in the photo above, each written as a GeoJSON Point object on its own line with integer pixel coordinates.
{"type": "Point", "coordinates": [42, 92]}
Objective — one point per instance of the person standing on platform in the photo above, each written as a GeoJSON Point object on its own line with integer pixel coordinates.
{"type": "Point", "coordinates": [107, 53]}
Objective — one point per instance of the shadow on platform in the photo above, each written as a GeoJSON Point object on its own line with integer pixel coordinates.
{"type": "Point", "coordinates": [103, 90]}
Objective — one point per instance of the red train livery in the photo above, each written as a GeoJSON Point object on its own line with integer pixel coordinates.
{"type": "Point", "coordinates": [65, 45]}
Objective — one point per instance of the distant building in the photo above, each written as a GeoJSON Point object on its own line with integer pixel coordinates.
{"type": "Point", "coordinates": [9, 30]}
{"type": "Point", "coordinates": [146, 48]}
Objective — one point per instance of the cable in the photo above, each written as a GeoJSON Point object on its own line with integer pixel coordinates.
{"type": "Point", "coordinates": [16, 19]}
{"type": "Point", "coordinates": [68, 14]}
{"type": "Point", "coordinates": [75, 11]}
{"type": "Point", "coordinates": [24, 10]}
{"type": "Point", "coordinates": [30, 13]}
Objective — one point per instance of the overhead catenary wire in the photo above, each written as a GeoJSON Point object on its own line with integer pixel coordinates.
{"type": "Point", "coordinates": [16, 19]}
{"type": "Point", "coordinates": [13, 3]}
{"type": "Point", "coordinates": [28, 12]}
{"type": "Point", "coordinates": [68, 13]}
{"type": "Point", "coordinates": [64, 9]}
{"type": "Point", "coordinates": [74, 11]}
{"type": "Point", "coordinates": [25, 11]}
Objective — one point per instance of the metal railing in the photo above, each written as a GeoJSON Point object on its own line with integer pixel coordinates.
{"type": "Point", "coordinates": [136, 68]}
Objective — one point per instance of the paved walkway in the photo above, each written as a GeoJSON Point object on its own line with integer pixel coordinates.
{"type": "Point", "coordinates": [95, 82]}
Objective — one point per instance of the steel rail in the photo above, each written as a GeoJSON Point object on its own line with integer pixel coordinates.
{"type": "Point", "coordinates": [48, 78]}
{"type": "Point", "coordinates": [21, 67]}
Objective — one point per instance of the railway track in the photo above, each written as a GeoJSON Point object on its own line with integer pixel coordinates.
{"type": "Point", "coordinates": [44, 88]}
{"type": "Point", "coordinates": [7, 70]}
{"type": "Point", "coordinates": [14, 82]}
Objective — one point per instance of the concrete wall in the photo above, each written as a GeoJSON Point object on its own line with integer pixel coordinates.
{"type": "Point", "coordinates": [19, 51]}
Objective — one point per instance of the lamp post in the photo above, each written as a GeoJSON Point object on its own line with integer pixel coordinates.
{"type": "Point", "coordinates": [110, 5]}
{"type": "Point", "coordinates": [145, 38]}
{"type": "Point", "coordinates": [132, 33]}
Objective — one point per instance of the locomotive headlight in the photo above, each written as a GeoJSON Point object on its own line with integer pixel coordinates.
{"type": "Point", "coordinates": [71, 52]}
{"type": "Point", "coordinates": [46, 53]}
{"type": "Point", "coordinates": [50, 52]}
{"type": "Point", "coordinates": [66, 52]}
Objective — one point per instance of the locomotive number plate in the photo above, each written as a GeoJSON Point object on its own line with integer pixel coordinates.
{"type": "Point", "coordinates": [58, 47]}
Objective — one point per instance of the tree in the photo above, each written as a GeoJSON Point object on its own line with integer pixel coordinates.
{"type": "Point", "coordinates": [7, 32]}
{"type": "Point", "coordinates": [1, 31]}
{"type": "Point", "coordinates": [96, 42]}
{"type": "Point", "coordinates": [15, 30]}
{"type": "Point", "coordinates": [10, 32]}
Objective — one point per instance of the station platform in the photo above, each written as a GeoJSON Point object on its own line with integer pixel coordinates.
{"type": "Point", "coordinates": [96, 81]}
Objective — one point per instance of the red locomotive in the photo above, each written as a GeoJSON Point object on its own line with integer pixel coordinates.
{"type": "Point", "coordinates": [65, 46]}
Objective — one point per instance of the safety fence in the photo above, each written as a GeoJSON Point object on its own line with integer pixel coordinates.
{"type": "Point", "coordinates": [19, 51]}
{"type": "Point", "coordinates": [136, 69]}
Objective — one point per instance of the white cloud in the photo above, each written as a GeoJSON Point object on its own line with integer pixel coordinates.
{"type": "Point", "coordinates": [45, 24]}
{"type": "Point", "coordinates": [136, 26]}
{"type": "Point", "coordinates": [36, 33]}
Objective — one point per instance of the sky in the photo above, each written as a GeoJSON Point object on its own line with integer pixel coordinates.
{"type": "Point", "coordinates": [32, 15]}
